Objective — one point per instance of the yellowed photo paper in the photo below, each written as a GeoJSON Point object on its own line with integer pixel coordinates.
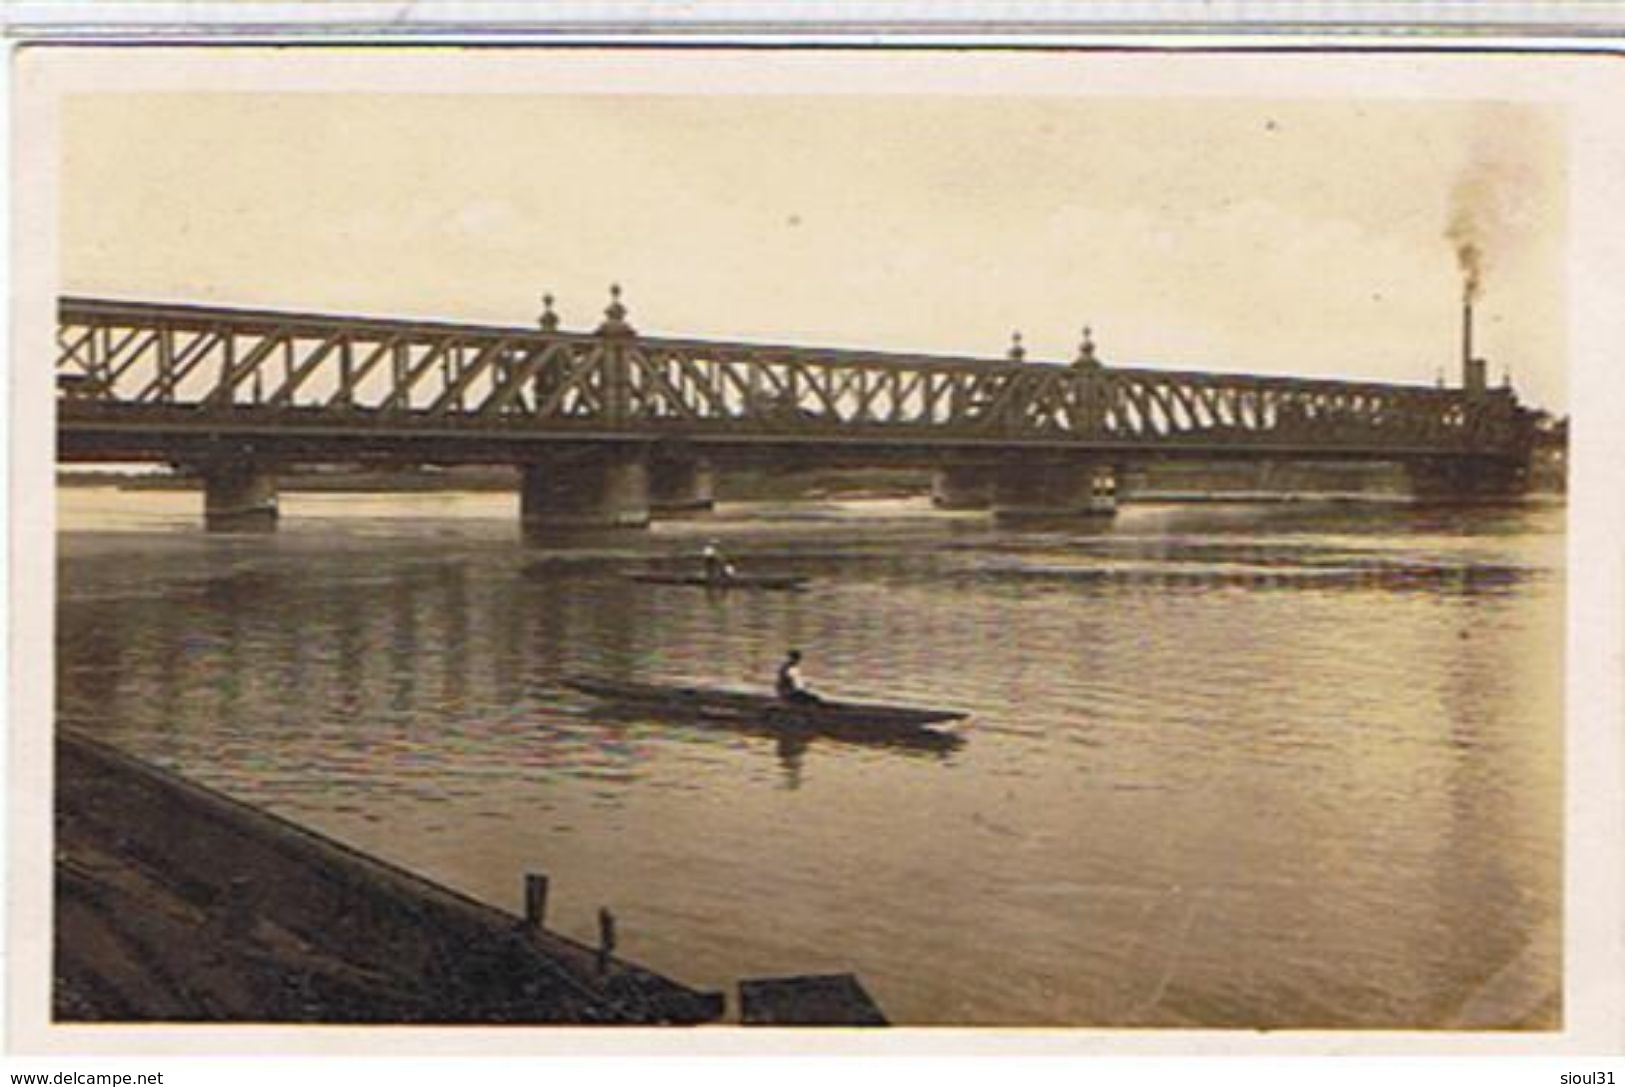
{"type": "Point", "coordinates": [1048, 545]}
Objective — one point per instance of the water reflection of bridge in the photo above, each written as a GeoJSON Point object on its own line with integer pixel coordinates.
{"type": "Point", "coordinates": [337, 670]}
{"type": "Point", "coordinates": [211, 664]}
{"type": "Point", "coordinates": [604, 426]}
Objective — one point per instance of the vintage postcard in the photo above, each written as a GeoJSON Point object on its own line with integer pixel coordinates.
{"type": "Point", "coordinates": [1084, 548]}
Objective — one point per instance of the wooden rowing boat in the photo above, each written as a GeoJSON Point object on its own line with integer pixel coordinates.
{"type": "Point", "coordinates": [845, 720]}
{"type": "Point", "coordinates": [737, 581]}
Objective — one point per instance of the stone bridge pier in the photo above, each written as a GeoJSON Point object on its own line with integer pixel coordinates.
{"type": "Point", "coordinates": [1026, 490]}
{"type": "Point", "coordinates": [1447, 480]}
{"type": "Point", "coordinates": [584, 490]}
{"type": "Point", "coordinates": [681, 483]}
{"type": "Point", "coordinates": [964, 487]}
{"type": "Point", "coordinates": [238, 496]}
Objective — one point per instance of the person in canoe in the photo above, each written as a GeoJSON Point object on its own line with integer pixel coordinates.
{"type": "Point", "coordinates": [718, 570]}
{"type": "Point", "coordinates": [790, 686]}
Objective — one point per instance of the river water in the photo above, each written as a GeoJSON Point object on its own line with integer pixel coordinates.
{"type": "Point", "coordinates": [1227, 766]}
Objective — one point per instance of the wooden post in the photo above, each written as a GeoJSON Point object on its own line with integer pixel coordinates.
{"type": "Point", "coordinates": [606, 938]}
{"type": "Point", "coordinates": [535, 899]}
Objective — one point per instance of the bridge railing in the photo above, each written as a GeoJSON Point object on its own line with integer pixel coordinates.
{"type": "Point", "coordinates": [205, 366]}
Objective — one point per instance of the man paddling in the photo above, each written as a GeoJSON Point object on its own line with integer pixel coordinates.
{"type": "Point", "coordinates": [790, 686]}
{"type": "Point", "coordinates": [718, 570]}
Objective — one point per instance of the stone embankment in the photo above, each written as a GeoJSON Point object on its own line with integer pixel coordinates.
{"type": "Point", "coordinates": [177, 904]}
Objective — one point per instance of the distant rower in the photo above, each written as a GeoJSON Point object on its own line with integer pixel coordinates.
{"type": "Point", "coordinates": [791, 687]}
{"type": "Point", "coordinates": [717, 568]}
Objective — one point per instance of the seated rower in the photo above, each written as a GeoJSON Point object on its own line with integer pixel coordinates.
{"type": "Point", "coordinates": [718, 569]}
{"type": "Point", "coordinates": [790, 686]}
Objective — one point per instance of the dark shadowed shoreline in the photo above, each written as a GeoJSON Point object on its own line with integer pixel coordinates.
{"type": "Point", "coordinates": [177, 904]}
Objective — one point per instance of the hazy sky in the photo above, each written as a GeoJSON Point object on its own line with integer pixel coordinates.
{"type": "Point", "coordinates": [1244, 236]}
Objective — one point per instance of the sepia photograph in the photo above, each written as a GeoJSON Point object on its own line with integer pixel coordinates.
{"type": "Point", "coordinates": [732, 540]}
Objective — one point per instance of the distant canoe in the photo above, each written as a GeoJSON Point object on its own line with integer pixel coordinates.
{"type": "Point", "coordinates": [737, 581]}
{"type": "Point", "coordinates": [845, 720]}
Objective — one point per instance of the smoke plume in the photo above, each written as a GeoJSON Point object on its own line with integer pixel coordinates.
{"type": "Point", "coordinates": [1469, 222]}
{"type": "Point", "coordinates": [1494, 207]}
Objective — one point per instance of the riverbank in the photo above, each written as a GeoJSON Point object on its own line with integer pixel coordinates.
{"type": "Point", "coordinates": [740, 485]}
{"type": "Point", "coordinates": [1380, 485]}
{"type": "Point", "coordinates": [175, 903]}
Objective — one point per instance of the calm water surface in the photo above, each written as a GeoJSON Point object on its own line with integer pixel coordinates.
{"type": "Point", "coordinates": [1227, 766]}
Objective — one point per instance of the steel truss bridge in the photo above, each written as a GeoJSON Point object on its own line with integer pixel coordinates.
{"type": "Point", "coordinates": [195, 384]}
{"type": "Point", "coordinates": [137, 379]}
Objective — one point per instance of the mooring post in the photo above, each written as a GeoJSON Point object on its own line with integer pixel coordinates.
{"type": "Point", "coordinates": [606, 938]}
{"type": "Point", "coordinates": [535, 899]}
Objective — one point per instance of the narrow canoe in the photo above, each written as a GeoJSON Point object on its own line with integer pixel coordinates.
{"type": "Point", "coordinates": [738, 581]}
{"type": "Point", "coordinates": [833, 718]}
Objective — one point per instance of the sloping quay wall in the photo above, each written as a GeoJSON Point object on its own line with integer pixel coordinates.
{"type": "Point", "coordinates": [177, 904]}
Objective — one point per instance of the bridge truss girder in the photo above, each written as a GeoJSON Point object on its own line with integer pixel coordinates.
{"type": "Point", "coordinates": [155, 373]}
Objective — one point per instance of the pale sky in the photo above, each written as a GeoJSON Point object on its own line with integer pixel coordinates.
{"type": "Point", "coordinates": [1256, 236]}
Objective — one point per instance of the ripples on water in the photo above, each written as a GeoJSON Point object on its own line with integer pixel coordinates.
{"type": "Point", "coordinates": [1234, 767]}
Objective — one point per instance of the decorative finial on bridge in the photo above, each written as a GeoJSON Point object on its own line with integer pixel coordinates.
{"type": "Point", "coordinates": [548, 320]}
{"type": "Point", "coordinates": [1016, 352]}
{"type": "Point", "coordinates": [1506, 377]}
{"type": "Point", "coordinates": [615, 316]}
{"type": "Point", "coordinates": [1086, 350]}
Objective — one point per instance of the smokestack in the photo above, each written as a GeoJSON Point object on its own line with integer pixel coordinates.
{"type": "Point", "coordinates": [1466, 326]}
{"type": "Point", "coordinates": [1473, 382]}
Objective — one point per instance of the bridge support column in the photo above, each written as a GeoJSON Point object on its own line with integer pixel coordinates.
{"type": "Point", "coordinates": [964, 487]}
{"type": "Point", "coordinates": [585, 490]}
{"type": "Point", "coordinates": [1128, 480]}
{"type": "Point", "coordinates": [680, 485]}
{"type": "Point", "coordinates": [238, 496]}
{"type": "Point", "coordinates": [1054, 490]}
{"type": "Point", "coordinates": [1466, 480]}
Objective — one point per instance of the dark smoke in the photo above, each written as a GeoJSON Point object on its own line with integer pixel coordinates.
{"type": "Point", "coordinates": [1465, 234]}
